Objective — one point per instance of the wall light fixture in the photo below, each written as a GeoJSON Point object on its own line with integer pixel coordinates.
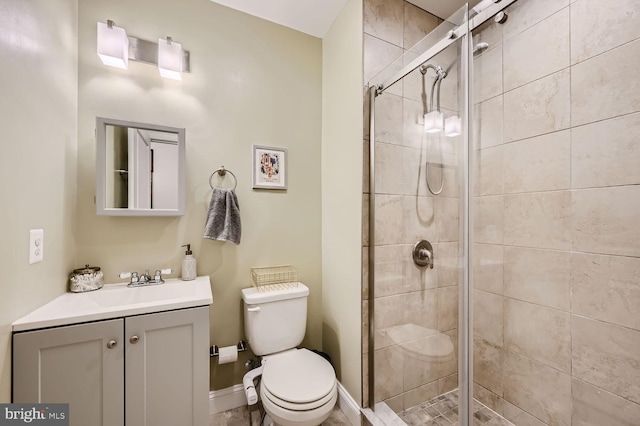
{"type": "Point", "coordinates": [115, 49]}
{"type": "Point", "coordinates": [113, 45]}
{"type": "Point", "coordinates": [433, 122]}
{"type": "Point", "coordinates": [452, 126]}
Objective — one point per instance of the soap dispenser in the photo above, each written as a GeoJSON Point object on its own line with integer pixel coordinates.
{"type": "Point", "coordinates": [188, 264]}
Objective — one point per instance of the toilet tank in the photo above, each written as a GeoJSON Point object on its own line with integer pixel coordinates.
{"type": "Point", "coordinates": [275, 317]}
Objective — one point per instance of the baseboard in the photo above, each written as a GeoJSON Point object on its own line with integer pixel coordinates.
{"type": "Point", "coordinates": [227, 399]}
{"type": "Point", "coordinates": [234, 397]}
{"type": "Point", "coordinates": [349, 406]}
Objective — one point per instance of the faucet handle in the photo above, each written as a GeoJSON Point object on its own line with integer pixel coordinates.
{"type": "Point", "coordinates": [123, 275]}
{"type": "Point", "coordinates": [159, 272]}
{"type": "Point", "coordinates": [166, 271]}
{"type": "Point", "coordinates": [132, 275]}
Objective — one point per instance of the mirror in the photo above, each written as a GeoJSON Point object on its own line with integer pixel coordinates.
{"type": "Point", "coordinates": [140, 169]}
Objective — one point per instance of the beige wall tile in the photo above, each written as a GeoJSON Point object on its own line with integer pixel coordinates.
{"type": "Point", "coordinates": [542, 391]}
{"type": "Point", "coordinates": [524, 14]}
{"type": "Point", "coordinates": [448, 383]}
{"type": "Point", "coordinates": [365, 273]}
{"type": "Point", "coordinates": [447, 306]}
{"type": "Point", "coordinates": [365, 167]}
{"type": "Point", "coordinates": [447, 219]}
{"type": "Point", "coordinates": [378, 54]}
{"type": "Point", "coordinates": [606, 288]}
{"type": "Point", "coordinates": [542, 106]}
{"type": "Point", "coordinates": [542, 163]}
{"type": "Point", "coordinates": [606, 355]}
{"type": "Point", "coordinates": [389, 271]}
{"type": "Point", "coordinates": [488, 365]}
{"type": "Point", "coordinates": [389, 226]}
{"type": "Point", "coordinates": [388, 312]}
{"type": "Point", "coordinates": [395, 403]}
{"type": "Point", "coordinates": [490, 168]}
{"type": "Point", "coordinates": [389, 177]}
{"type": "Point", "coordinates": [540, 50]}
{"type": "Point", "coordinates": [388, 119]}
{"type": "Point", "coordinates": [488, 398]}
{"type": "Point", "coordinates": [365, 326]}
{"type": "Point", "coordinates": [538, 276]}
{"type": "Point", "coordinates": [520, 417]}
{"type": "Point", "coordinates": [487, 75]}
{"type": "Point", "coordinates": [418, 368]}
{"type": "Point", "coordinates": [605, 220]}
{"type": "Point", "coordinates": [417, 24]}
{"type": "Point", "coordinates": [417, 87]}
{"type": "Point", "coordinates": [420, 394]}
{"type": "Point", "coordinates": [540, 333]}
{"type": "Point", "coordinates": [419, 217]}
{"type": "Point", "coordinates": [606, 153]}
{"type": "Point", "coordinates": [595, 407]}
{"type": "Point", "coordinates": [600, 90]}
{"type": "Point", "coordinates": [365, 220]}
{"type": "Point", "coordinates": [447, 265]}
{"type": "Point", "coordinates": [488, 272]}
{"type": "Point", "coordinates": [597, 27]}
{"type": "Point", "coordinates": [539, 220]}
{"type": "Point", "coordinates": [389, 369]}
{"type": "Point", "coordinates": [489, 219]}
{"type": "Point", "coordinates": [384, 19]}
{"type": "Point", "coordinates": [419, 308]}
{"type": "Point", "coordinates": [489, 122]}
{"type": "Point", "coordinates": [488, 316]}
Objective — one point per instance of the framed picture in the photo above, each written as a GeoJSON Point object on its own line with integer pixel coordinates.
{"type": "Point", "coordinates": [269, 167]}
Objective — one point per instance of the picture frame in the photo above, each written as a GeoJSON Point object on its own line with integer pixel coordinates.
{"type": "Point", "coordinates": [269, 167]}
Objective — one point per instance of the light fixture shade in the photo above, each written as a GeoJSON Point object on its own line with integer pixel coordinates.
{"type": "Point", "coordinates": [452, 126]}
{"type": "Point", "coordinates": [170, 59]}
{"type": "Point", "coordinates": [433, 122]}
{"type": "Point", "coordinates": [113, 45]}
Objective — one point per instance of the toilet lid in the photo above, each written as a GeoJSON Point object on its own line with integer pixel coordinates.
{"type": "Point", "coordinates": [298, 376]}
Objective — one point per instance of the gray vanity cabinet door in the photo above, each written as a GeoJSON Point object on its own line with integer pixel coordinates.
{"type": "Point", "coordinates": [167, 368]}
{"type": "Point", "coordinates": [81, 365]}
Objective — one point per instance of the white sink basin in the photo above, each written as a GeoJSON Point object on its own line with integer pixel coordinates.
{"type": "Point", "coordinates": [118, 300]}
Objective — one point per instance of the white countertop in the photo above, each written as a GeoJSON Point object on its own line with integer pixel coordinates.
{"type": "Point", "coordinates": [118, 300]}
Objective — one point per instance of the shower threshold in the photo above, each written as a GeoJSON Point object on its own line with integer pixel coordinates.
{"type": "Point", "coordinates": [439, 411]}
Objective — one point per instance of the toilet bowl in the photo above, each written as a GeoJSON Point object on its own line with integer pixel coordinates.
{"type": "Point", "coordinates": [298, 388]}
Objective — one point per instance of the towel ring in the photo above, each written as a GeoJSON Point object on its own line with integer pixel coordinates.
{"type": "Point", "coordinates": [222, 171]}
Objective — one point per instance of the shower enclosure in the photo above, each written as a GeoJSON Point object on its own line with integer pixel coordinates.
{"type": "Point", "coordinates": [502, 245]}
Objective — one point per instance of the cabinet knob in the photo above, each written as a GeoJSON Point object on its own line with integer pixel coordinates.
{"type": "Point", "coordinates": [134, 339]}
{"type": "Point", "coordinates": [111, 344]}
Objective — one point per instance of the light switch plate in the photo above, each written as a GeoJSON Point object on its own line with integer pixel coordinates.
{"type": "Point", "coordinates": [36, 246]}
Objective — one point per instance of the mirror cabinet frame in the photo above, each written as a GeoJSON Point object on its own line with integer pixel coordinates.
{"type": "Point", "coordinates": [101, 176]}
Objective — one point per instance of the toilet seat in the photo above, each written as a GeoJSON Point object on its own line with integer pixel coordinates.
{"type": "Point", "coordinates": [298, 380]}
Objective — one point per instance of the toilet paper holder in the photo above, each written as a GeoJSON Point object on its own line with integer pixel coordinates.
{"type": "Point", "coordinates": [213, 350]}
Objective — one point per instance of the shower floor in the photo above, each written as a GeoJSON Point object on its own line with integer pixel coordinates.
{"type": "Point", "coordinates": [443, 411]}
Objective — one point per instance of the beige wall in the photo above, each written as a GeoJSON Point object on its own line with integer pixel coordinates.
{"type": "Point", "coordinates": [252, 82]}
{"type": "Point", "coordinates": [556, 300]}
{"type": "Point", "coordinates": [38, 41]}
{"type": "Point", "coordinates": [341, 180]}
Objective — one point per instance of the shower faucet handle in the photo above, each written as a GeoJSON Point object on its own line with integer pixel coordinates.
{"type": "Point", "coordinates": [423, 254]}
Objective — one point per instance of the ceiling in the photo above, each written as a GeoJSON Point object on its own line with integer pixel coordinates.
{"type": "Point", "coordinates": [314, 17]}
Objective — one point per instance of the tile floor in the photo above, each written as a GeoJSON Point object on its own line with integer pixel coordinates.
{"type": "Point", "coordinates": [443, 411]}
{"type": "Point", "coordinates": [242, 416]}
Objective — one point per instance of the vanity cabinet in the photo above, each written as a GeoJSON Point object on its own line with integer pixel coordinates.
{"type": "Point", "coordinates": [144, 370]}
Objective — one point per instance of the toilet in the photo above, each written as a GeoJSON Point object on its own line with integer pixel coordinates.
{"type": "Point", "coordinates": [298, 387]}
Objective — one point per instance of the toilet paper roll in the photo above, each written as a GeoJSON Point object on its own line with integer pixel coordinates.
{"type": "Point", "coordinates": [227, 354]}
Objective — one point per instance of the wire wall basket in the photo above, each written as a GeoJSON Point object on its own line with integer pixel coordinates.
{"type": "Point", "coordinates": [271, 278]}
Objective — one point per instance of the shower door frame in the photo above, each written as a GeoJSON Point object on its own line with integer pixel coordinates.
{"type": "Point", "coordinates": [465, 339]}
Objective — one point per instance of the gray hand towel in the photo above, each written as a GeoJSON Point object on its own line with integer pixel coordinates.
{"type": "Point", "coordinates": [223, 218]}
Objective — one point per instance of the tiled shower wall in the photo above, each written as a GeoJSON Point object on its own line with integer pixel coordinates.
{"type": "Point", "coordinates": [415, 308]}
{"type": "Point", "coordinates": [557, 221]}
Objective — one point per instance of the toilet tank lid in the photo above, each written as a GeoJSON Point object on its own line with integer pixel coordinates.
{"type": "Point", "coordinates": [274, 292]}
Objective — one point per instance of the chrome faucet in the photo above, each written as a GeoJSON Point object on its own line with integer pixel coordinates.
{"type": "Point", "coordinates": [145, 279]}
